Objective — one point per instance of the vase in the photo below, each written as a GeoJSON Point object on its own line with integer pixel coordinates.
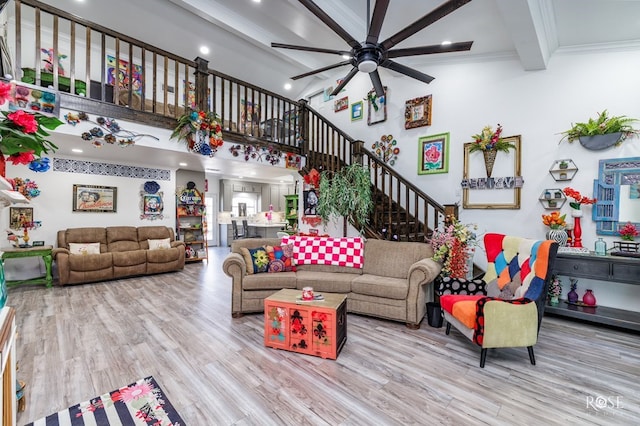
{"type": "Point", "coordinates": [598, 142]}
{"type": "Point", "coordinates": [489, 160]}
{"type": "Point", "coordinates": [558, 235]}
{"type": "Point", "coordinates": [572, 296]}
{"type": "Point", "coordinates": [577, 228]}
{"type": "Point", "coordinates": [589, 298]}
{"type": "Point", "coordinates": [600, 247]}
{"type": "Point", "coordinates": [554, 300]}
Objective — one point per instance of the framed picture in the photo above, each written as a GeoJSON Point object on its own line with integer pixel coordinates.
{"type": "Point", "coordinates": [377, 107]}
{"type": "Point", "coordinates": [152, 205]}
{"type": "Point", "coordinates": [310, 202]}
{"type": "Point", "coordinates": [500, 191]}
{"type": "Point", "coordinates": [20, 215]}
{"type": "Point", "coordinates": [122, 75]}
{"type": "Point", "coordinates": [249, 116]}
{"type": "Point", "coordinates": [417, 112]}
{"type": "Point", "coordinates": [32, 98]}
{"type": "Point", "coordinates": [37, 243]}
{"type": "Point", "coordinates": [433, 154]}
{"type": "Point", "coordinates": [341, 104]}
{"type": "Point", "coordinates": [93, 198]}
{"type": "Point", "coordinates": [356, 111]}
{"type": "Point", "coordinates": [326, 94]}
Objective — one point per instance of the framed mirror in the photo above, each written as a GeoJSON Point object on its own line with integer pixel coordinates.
{"type": "Point", "coordinates": [617, 190]}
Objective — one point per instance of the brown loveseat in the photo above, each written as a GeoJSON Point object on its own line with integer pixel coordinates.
{"type": "Point", "coordinates": [124, 252]}
{"type": "Point", "coordinates": [395, 282]}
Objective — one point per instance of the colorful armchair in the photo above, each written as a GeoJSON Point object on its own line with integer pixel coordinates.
{"type": "Point", "coordinates": [505, 307]}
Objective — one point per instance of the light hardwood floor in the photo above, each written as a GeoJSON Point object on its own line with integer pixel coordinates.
{"type": "Point", "coordinates": [77, 342]}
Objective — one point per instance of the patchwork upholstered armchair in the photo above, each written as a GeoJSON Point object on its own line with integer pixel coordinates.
{"type": "Point", "coordinates": [505, 307]}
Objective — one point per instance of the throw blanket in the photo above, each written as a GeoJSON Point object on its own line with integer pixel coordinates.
{"type": "Point", "coordinates": [347, 251]}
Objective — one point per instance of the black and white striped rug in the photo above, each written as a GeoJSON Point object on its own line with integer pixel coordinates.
{"type": "Point", "coordinates": [140, 403]}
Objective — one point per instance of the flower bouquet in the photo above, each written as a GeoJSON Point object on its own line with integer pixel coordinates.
{"type": "Point", "coordinates": [578, 199]}
{"type": "Point", "coordinates": [554, 220]}
{"type": "Point", "coordinates": [452, 247]}
{"type": "Point", "coordinates": [488, 140]}
{"type": "Point", "coordinates": [555, 290]}
{"type": "Point", "coordinates": [628, 232]}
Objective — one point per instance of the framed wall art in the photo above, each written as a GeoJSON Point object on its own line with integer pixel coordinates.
{"type": "Point", "coordinates": [417, 112]}
{"type": "Point", "coordinates": [433, 154]}
{"type": "Point", "coordinates": [377, 107]}
{"type": "Point", "coordinates": [93, 198]}
{"type": "Point", "coordinates": [501, 190]}
{"type": "Point", "coordinates": [28, 97]}
{"type": "Point", "coordinates": [20, 215]}
{"type": "Point", "coordinates": [121, 75]}
{"type": "Point", "coordinates": [341, 104]}
{"type": "Point", "coordinates": [356, 111]}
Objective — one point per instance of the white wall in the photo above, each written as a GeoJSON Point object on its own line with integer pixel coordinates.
{"type": "Point", "coordinates": [537, 105]}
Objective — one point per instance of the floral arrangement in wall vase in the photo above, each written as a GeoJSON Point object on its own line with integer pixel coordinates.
{"type": "Point", "coordinates": [23, 135]}
{"type": "Point", "coordinates": [489, 142]}
{"type": "Point", "coordinates": [200, 131]}
{"type": "Point", "coordinates": [601, 132]}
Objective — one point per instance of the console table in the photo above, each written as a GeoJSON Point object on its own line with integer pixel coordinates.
{"type": "Point", "coordinates": [615, 269]}
{"type": "Point", "coordinates": [43, 251]}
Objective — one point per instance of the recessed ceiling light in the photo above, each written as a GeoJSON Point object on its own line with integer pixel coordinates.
{"type": "Point", "coordinates": [204, 50]}
{"type": "Point", "coordinates": [257, 1]}
{"type": "Point", "coordinates": [287, 86]}
{"type": "Point", "coordinates": [77, 150]}
{"type": "Point", "coordinates": [446, 42]}
{"type": "Point", "coordinates": [182, 164]}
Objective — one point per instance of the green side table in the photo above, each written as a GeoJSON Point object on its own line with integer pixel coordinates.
{"type": "Point", "coordinates": [43, 251]}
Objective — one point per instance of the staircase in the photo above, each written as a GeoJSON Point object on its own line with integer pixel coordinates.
{"type": "Point", "coordinates": [402, 211]}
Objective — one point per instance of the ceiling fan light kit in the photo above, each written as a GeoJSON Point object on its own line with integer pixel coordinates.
{"type": "Point", "coordinates": [370, 54]}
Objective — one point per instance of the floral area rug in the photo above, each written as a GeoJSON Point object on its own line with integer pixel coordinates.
{"type": "Point", "coordinates": [140, 403]}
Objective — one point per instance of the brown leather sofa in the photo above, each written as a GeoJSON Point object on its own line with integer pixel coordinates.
{"type": "Point", "coordinates": [124, 252]}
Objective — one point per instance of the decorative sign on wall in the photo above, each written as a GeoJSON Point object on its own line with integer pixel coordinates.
{"type": "Point", "coordinates": [95, 199]}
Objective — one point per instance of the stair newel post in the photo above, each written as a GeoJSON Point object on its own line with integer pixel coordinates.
{"type": "Point", "coordinates": [202, 78]}
{"type": "Point", "coordinates": [303, 122]}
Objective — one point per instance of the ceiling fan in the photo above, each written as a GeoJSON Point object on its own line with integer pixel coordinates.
{"type": "Point", "coordinates": [370, 54]}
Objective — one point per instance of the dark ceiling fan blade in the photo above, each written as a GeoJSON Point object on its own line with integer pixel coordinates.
{"type": "Point", "coordinates": [428, 19]}
{"type": "Point", "coordinates": [427, 50]}
{"type": "Point", "coordinates": [344, 81]}
{"type": "Point", "coordinates": [329, 22]}
{"type": "Point", "coordinates": [403, 69]}
{"type": "Point", "coordinates": [379, 11]}
{"type": "Point", "coordinates": [377, 83]}
{"type": "Point", "coordinates": [309, 49]}
{"type": "Point", "coordinates": [328, 67]}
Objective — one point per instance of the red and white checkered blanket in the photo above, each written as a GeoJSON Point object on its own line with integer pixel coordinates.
{"type": "Point", "coordinates": [347, 251]}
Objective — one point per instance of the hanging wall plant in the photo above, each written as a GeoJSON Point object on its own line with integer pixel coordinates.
{"type": "Point", "coordinates": [601, 132]}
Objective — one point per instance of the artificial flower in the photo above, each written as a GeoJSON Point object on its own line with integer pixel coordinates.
{"type": "Point", "coordinates": [555, 288]}
{"type": "Point", "coordinates": [200, 130]}
{"type": "Point", "coordinates": [488, 140]}
{"type": "Point", "coordinates": [452, 246]}
{"type": "Point", "coordinates": [21, 158]}
{"type": "Point", "coordinates": [5, 92]}
{"type": "Point", "coordinates": [578, 198]}
{"type": "Point", "coordinates": [628, 232]}
{"type": "Point", "coordinates": [554, 220]}
{"type": "Point", "coordinates": [23, 132]}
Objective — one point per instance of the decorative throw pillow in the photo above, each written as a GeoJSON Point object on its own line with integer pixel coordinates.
{"type": "Point", "coordinates": [165, 243]}
{"type": "Point", "coordinates": [283, 253]}
{"type": "Point", "coordinates": [276, 265]}
{"type": "Point", "coordinates": [84, 248]}
{"type": "Point", "coordinates": [257, 259]}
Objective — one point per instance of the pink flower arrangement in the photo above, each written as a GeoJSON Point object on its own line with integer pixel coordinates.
{"type": "Point", "coordinates": [452, 246]}
{"type": "Point", "coordinates": [628, 232]}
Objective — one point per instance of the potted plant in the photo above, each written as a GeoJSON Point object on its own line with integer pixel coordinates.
{"type": "Point", "coordinates": [346, 193]}
{"type": "Point", "coordinates": [602, 132]}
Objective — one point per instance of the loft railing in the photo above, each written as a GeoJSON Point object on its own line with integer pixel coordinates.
{"type": "Point", "coordinates": [131, 79]}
